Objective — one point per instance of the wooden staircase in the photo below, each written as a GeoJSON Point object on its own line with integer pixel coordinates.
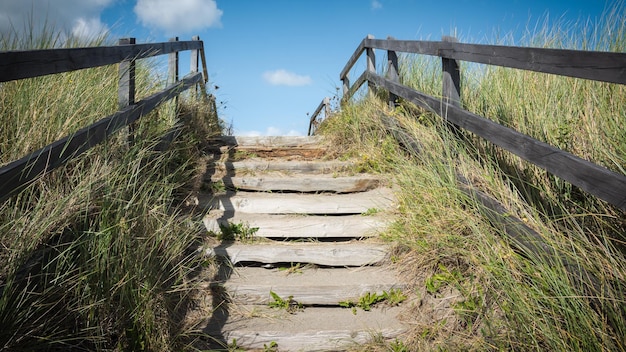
{"type": "Point", "coordinates": [318, 223]}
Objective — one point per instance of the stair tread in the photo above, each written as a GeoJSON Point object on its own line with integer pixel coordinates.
{"type": "Point", "coordinates": [263, 164]}
{"type": "Point", "coordinates": [301, 182]}
{"type": "Point", "coordinates": [290, 203]}
{"type": "Point", "coordinates": [329, 254]}
{"type": "Point", "coordinates": [311, 329]}
{"type": "Point", "coordinates": [309, 286]}
{"type": "Point", "coordinates": [300, 226]}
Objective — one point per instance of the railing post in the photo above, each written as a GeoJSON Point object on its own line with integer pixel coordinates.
{"type": "Point", "coordinates": [173, 65]}
{"type": "Point", "coordinates": [194, 65]}
{"type": "Point", "coordinates": [371, 63]}
{"type": "Point", "coordinates": [126, 83]}
{"type": "Point", "coordinates": [392, 73]}
{"type": "Point", "coordinates": [346, 88]}
{"type": "Point", "coordinates": [126, 86]}
{"type": "Point", "coordinates": [451, 80]}
{"type": "Point", "coordinates": [451, 77]}
{"type": "Point", "coordinates": [326, 107]}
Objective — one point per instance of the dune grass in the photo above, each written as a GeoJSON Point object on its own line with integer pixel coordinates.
{"type": "Point", "coordinates": [475, 285]}
{"type": "Point", "coordinates": [97, 255]}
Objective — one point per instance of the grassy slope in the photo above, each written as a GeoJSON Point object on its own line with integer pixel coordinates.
{"type": "Point", "coordinates": [95, 256]}
{"type": "Point", "coordinates": [476, 287]}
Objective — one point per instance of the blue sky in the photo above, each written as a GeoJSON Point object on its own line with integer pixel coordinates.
{"type": "Point", "coordinates": [275, 60]}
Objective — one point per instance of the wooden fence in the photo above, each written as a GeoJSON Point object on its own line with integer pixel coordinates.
{"type": "Point", "coordinates": [16, 65]}
{"type": "Point", "coordinates": [599, 66]}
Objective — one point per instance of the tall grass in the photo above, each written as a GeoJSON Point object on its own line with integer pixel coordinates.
{"type": "Point", "coordinates": [97, 254]}
{"type": "Point", "coordinates": [477, 287]}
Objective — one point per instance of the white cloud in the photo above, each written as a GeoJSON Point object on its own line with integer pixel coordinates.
{"type": "Point", "coordinates": [88, 28]}
{"type": "Point", "coordinates": [270, 131]}
{"type": "Point", "coordinates": [286, 78]}
{"type": "Point", "coordinates": [376, 5]}
{"type": "Point", "coordinates": [177, 17]}
{"type": "Point", "coordinates": [72, 16]}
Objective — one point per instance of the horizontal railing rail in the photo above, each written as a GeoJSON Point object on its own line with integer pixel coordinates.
{"type": "Point", "coordinates": [34, 63]}
{"type": "Point", "coordinates": [29, 64]}
{"type": "Point", "coordinates": [600, 66]}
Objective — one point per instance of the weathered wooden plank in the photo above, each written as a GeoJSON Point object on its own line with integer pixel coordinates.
{"type": "Point", "coordinates": [283, 152]}
{"type": "Point", "coordinates": [298, 226]}
{"type": "Point", "coordinates": [329, 254]}
{"type": "Point", "coordinates": [313, 329]}
{"type": "Point", "coordinates": [268, 141]}
{"type": "Point", "coordinates": [305, 166]}
{"type": "Point", "coordinates": [597, 180]}
{"type": "Point", "coordinates": [310, 286]}
{"type": "Point", "coordinates": [291, 203]}
{"type": "Point", "coordinates": [34, 63]}
{"type": "Point", "coordinates": [593, 65]}
{"type": "Point", "coordinates": [302, 183]}
{"type": "Point", "coordinates": [19, 173]}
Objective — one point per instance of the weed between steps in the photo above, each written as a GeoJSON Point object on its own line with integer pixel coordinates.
{"type": "Point", "coordinates": [289, 304]}
{"type": "Point", "coordinates": [393, 298]}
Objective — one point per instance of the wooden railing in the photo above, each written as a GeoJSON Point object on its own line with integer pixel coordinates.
{"type": "Point", "coordinates": [16, 65]}
{"type": "Point", "coordinates": [316, 118]}
{"type": "Point", "coordinates": [599, 66]}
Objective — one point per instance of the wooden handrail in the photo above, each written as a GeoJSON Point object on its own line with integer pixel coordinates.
{"type": "Point", "coordinates": [600, 66]}
{"type": "Point", "coordinates": [27, 64]}
{"type": "Point", "coordinates": [593, 65]}
{"type": "Point", "coordinates": [314, 122]}
{"type": "Point", "coordinates": [34, 63]}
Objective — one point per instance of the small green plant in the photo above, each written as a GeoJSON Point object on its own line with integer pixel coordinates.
{"type": "Point", "coordinates": [468, 309]}
{"type": "Point", "coordinates": [444, 277]}
{"type": "Point", "coordinates": [289, 304]}
{"type": "Point", "coordinates": [239, 231]}
{"type": "Point", "coordinates": [394, 297]}
{"type": "Point", "coordinates": [218, 186]}
{"type": "Point", "coordinates": [234, 347]}
{"type": "Point", "coordinates": [272, 347]}
{"type": "Point", "coordinates": [397, 346]}
{"type": "Point", "coordinates": [371, 211]}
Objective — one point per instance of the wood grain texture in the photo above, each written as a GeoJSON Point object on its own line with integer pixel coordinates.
{"type": "Point", "coordinates": [298, 226]}
{"type": "Point", "coordinates": [298, 166]}
{"type": "Point", "coordinates": [310, 286]}
{"type": "Point", "coordinates": [34, 63]}
{"type": "Point", "coordinates": [329, 254]}
{"type": "Point", "coordinates": [292, 203]}
{"type": "Point", "coordinates": [594, 179]}
{"type": "Point", "coordinates": [302, 183]}
{"type": "Point", "coordinates": [268, 141]}
{"type": "Point", "coordinates": [593, 65]}
{"type": "Point", "coordinates": [19, 173]}
{"type": "Point", "coordinates": [313, 329]}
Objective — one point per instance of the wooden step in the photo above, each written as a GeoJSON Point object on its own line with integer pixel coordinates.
{"type": "Point", "coordinates": [291, 203]}
{"type": "Point", "coordinates": [308, 286]}
{"type": "Point", "coordinates": [301, 147]}
{"type": "Point", "coordinates": [313, 329]}
{"type": "Point", "coordinates": [302, 183]}
{"type": "Point", "coordinates": [293, 166]}
{"type": "Point", "coordinates": [329, 254]}
{"type": "Point", "coordinates": [300, 226]}
{"type": "Point", "coordinates": [268, 141]}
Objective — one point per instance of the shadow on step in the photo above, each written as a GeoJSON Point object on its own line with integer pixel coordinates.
{"type": "Point", "coordinates": [220, 299]}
